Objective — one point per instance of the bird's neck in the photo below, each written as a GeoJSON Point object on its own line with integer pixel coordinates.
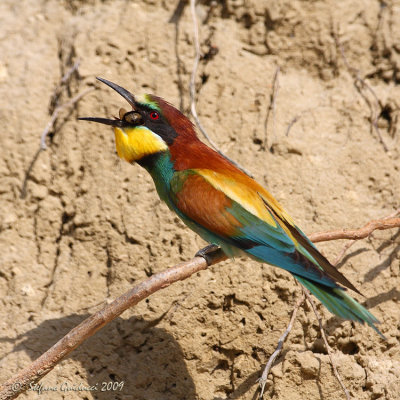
{"type": "Point", "coordinates": [160, 167]}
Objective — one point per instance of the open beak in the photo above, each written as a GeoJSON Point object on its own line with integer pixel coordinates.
{"type": "Point", "coordinates": [129, 97]}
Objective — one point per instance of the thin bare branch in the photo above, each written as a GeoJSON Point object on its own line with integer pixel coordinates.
{"type": "Point", "coordinates": [69, 73]}
{"type": "Point", "coordinates": [356, 234]}
{"type": "Point", "coordinates": [291, 123]}
{"type": "Point", "coordinates": [328, 348]}
{"type": "Point", "coordinates": [393, 214]}
{"type": "Point", "coordinates": [56, 111]}
{"type": "Point", "coordinates": [297, 117]}
{"type": "Point", "coordinates": [28, 173]}
{"type": "Point", "coordinates": [271, 108]}
{"type": "Point", "coordinates": [263, 380]}
{"type": "Point", "coordinates": [62, 83]}
{"type": "Point", "coordinates": [192, 89]}
{"type": "Point", "coordinates": [360, 83]}
{"type": "Point", "coordinates": [53, 119]}
{"type": "Point", "coordinates": [54, 99]}
{"type": "Point", "coordinates": [349, 244]}
{"type": "Point", "coordinates": [343, 252]}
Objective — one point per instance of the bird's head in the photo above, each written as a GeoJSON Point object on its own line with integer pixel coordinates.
{"type": "Point", "coordinates": [151, 127]}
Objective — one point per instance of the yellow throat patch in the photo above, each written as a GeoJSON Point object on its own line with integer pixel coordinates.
{"type": "Point", "coordinates": [135, 143]}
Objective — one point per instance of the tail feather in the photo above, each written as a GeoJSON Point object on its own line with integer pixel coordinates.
{"type": "Point", "coordinates": [338, 302]}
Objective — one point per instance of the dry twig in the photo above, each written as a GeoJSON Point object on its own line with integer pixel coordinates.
{"type": "Point", "coordinates": [328, 349]}
{"type": "Point", "coordinates": [343, 252]}
{"type": "Point", "coordinates": [192, 89]}
{"type": "Point", "coordinates": [360, 83]}
{"type": "Point", "coordinates": [349, 244]}
{"type": "Point", "coordinates": [64, 80]}
{"type": "Point", "coordinates": [297, 117]}
{"type": "Point", "coordinates": [47, 361]}
{"type": "Point", "coordinates": [291, 123]}
{"type": "Point", "coordinates": [68, 74]}
{"type": "Point", "coordinates": [356, 234]}
{"type": "Point", "coordinates": [263, 380]}
{"type": "Point", "coordinates": [274, 95]}
{"type": "Point", "coordinates": [56, 111]}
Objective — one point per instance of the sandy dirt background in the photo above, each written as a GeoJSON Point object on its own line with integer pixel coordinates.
{"type": "Point", "coordinates": [89, 226]}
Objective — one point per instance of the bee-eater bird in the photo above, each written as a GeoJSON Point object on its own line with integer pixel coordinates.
{"type": "Point", "coordinates": [221, 203]}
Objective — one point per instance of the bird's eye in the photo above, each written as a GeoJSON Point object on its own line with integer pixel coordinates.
{"type": "Point", "coordinates": [154, 115]}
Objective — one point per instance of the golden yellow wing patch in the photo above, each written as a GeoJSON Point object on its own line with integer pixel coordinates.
{"type": "Point", "coordinates": [247, 195]}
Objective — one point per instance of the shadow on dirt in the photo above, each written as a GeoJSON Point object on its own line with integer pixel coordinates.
{"type": "Point", "coordinates": [131, 351]}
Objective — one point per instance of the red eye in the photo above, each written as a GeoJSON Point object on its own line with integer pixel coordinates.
{"type": "Point", "coordinates": [154, 115]}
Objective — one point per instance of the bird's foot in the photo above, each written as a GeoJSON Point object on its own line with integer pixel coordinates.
{"type": "Point", "coordinates": [206, 253]}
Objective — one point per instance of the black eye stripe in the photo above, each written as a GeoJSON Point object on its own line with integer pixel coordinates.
{"type": "Point", "coordinates": [158, 125]}
{"type": "Point", "coordinates": [162, 129]}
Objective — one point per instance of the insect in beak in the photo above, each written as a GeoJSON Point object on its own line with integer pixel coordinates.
{"type": "Point", "coordinates": [125, 118]}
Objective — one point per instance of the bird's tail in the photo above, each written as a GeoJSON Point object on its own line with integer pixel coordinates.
{"type": "Point", "coordinates": [338, 302]}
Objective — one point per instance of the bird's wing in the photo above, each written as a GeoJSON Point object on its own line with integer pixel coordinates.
{"type": "Point", "coordinates": [242, 213]}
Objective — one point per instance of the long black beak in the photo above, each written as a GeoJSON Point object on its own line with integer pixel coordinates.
{"type": "Point", "coordinates": [129, 97]}
{"type": "Point", "coordinates": [105, 121]}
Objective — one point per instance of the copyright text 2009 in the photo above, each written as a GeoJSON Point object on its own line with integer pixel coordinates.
{"type": "Point", "coordinates": [111, 386]}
